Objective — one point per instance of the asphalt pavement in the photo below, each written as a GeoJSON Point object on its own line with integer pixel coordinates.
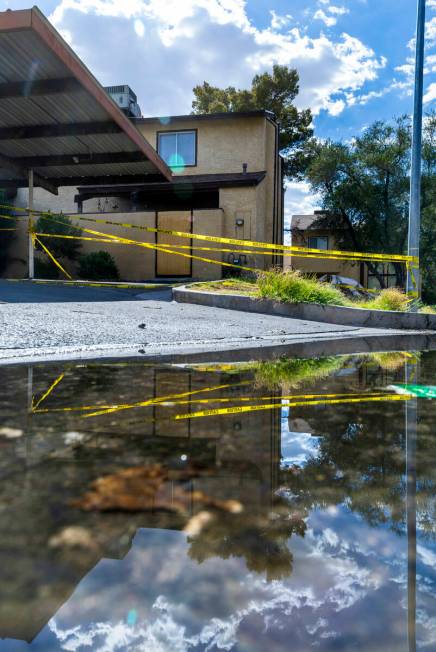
{"type": "Point", "coordinates": [47, 322]}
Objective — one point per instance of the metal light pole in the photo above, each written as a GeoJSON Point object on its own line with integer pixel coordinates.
{"type": "Point", "coordinates": [413, 287]}
{"type": "Point", "coordinates": [411, 406]}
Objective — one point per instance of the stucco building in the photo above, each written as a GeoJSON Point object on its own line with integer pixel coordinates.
{"type": "Point", "coordinates": [227, 181]}
{"type": "Point", "coordinates": [316, 233]}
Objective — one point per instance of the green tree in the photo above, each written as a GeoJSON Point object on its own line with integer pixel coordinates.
{"type": "Point", "coordinates": [428, 215]}
{"type": "Point", "coordinates": [273, 92]}
{"type": "Point", "coordinates": [364, 188]}
{"type": "Point", "coordinates": [59, 225]}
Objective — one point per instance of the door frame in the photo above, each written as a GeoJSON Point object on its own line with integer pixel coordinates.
{"type": "Point", "coordinates": [156, 218]}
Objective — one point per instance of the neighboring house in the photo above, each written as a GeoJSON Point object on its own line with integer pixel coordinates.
{"type": "Point", "coordinates": [312, 231]}
{"type": "Point", "coordinates": [228, 181]}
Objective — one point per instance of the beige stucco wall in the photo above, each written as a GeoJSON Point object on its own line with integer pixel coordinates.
{"type": "Point", "coordinates": [222, 145]}
{"type": "Point", "coordinates": [137, 264]}
{"type": "Point", "coordinates": [134, 263]}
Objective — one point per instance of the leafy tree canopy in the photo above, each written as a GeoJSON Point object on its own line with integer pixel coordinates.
{"type": "Point", "coordinates": [60, 225]}
{"type": "Point", "coordinates": [364, 188]}
{"type": "Point", "coordinates": [273, 92]}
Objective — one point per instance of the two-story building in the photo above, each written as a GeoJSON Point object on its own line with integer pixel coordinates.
{"type": "Point", "coordinates": [227, 181]}
{"type": "Point", "coordinates": [314, 232]}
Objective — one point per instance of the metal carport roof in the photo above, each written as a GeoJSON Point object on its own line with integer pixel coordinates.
{"type": "Point", "coordinates": [55, 117]}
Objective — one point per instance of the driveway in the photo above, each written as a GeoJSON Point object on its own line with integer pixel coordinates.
{"type": "Point", "coordinates": [47, 322]}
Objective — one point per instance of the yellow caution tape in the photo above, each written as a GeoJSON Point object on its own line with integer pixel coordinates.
{"type": "Point", "coordinates": [273, 406]}
{"type": "Point", "coordinates": [48, 392]}
{"type": "Point", "coordinates": [247, 399]}
{"type": "Point", "coordinates": [107, 409]}
{"type": "Point", "coordinates": [12, 217]}
{"type": "Point", "coordinates": [163, 248]}
{"type": "Point", "coordinates": [253, 243]}
{"type": "Point", "coordinates": [332, 254]}
{"type": "Point", "coordinates": [48, 252]}
{"type": "Point", "coordinates": [74, 237]}
{"type": "Point", "coordinates": [92, 284]}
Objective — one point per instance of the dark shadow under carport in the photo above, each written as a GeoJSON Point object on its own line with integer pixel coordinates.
{"type": "Point", "coordinates": [34, 292]}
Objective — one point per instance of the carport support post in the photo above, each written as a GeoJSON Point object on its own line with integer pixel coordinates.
{"type": "Point", "coordinates": [31, 250]}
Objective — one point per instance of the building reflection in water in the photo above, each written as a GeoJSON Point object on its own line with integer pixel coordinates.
{"type": "Point", "coordinates": [47, 546]}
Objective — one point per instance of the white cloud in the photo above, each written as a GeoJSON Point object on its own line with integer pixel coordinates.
{"type": "Point", "coordinates": [279, 22]}
{"type": "Point", "coordinates": [407, 69]}
{"type": "Point", "coordinates": [338, 11]}
{"type": "Point", "coordinates": [329, 21]}
{"type": "Point", "coordinates": [299, 200]}
{"type": "Point", "coordinates": [430, 95]}
{"type": "Point", "coordinates": [184, 46]}
{"type": "Point", "coordinates": [333, 10]}
{"type": "Point", "coordinates": [139, 27]}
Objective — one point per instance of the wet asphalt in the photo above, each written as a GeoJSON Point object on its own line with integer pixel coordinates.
{"type": "Point", "coordinates": [42, 322]}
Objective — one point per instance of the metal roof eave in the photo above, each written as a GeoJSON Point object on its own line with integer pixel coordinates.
{"type": "Point", "coordinates": [60, 55]}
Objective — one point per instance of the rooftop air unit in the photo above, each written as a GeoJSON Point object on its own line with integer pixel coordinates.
{"type": "Point", "coordinates": [126, 100]}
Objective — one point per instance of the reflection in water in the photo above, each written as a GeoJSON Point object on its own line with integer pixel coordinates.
{"type": "Point", "coordinates": [218, 507]}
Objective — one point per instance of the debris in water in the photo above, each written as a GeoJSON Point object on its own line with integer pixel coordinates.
{"type": "Point", "coordinates": [73, 536]}
{"type": "Point", "coordinates": [10, 433]}
{"type": "Point", "coordinates": [146, 488]}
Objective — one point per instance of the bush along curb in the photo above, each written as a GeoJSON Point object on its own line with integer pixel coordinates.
{"type": "Point", "coordinates": [343, 316]}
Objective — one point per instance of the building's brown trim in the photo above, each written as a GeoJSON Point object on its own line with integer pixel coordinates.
{"type": "Point", "coordinates": [15, 20]}
{"type": "Point", "coordinates": [35, 20]}
{"type": "Point", "coordinates": [228, 115]}
{"type": "Point", "coordinates": [179, 131]}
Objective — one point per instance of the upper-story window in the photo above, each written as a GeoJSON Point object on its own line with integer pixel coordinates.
{"type": "Point", "coordinates": [178, 148]}
{"type": "Point", "coordinates": [318, 242]}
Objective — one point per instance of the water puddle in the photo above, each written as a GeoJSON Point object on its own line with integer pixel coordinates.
{"type": "Point", "coordinates": [278, 506]}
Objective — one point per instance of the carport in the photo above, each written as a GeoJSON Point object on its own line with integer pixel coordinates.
{"type": "Point", "coordinates": [58, 126]}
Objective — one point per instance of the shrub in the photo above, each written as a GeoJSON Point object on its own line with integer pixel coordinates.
{"type": "Point", "coordinates": [428, 310]}
{"type": "Point", "coordinates": [98, 266]}
{"type": "Point", "coordinates": [288, 373]}
{"type": "Point", "coordinates": [45, 269]}
{"type": "Point", "coordinates": [293, 287]}
{"type": "Point", "coordinates": [61, 225]}
{"type": "Point", "coordinates": [388, 299]}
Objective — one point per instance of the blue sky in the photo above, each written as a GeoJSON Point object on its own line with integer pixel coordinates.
{"type": "Point", "coordinates": [354, 56]}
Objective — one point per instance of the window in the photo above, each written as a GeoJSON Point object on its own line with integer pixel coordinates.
{"type": "Point", "coordinates": [387, 271]}
{"type": "Point", "coordinates": [318, 242]}
{"type": "Point", "coordinates": [178, 148]}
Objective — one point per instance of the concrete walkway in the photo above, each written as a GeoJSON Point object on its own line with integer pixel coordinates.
{"type": "Point", "coordinates": [42, 322]}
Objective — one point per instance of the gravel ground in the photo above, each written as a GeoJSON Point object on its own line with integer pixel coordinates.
{"type": "Point", "coordinates": [43, 322]}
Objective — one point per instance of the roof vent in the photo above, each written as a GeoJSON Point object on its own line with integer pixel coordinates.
{"type": "Point", "coordinates": [126, 100]}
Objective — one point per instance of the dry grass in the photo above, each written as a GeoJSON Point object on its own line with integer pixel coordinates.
{"type": "Point", "coordinates": [228, 286]}
{"type": "Point", "coordinates": [293, 287]}
{"type": "Point", "coordinates": [389, 299]}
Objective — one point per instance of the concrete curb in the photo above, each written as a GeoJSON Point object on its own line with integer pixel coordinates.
{"type": "Point", "coordinates": [310, 311]}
